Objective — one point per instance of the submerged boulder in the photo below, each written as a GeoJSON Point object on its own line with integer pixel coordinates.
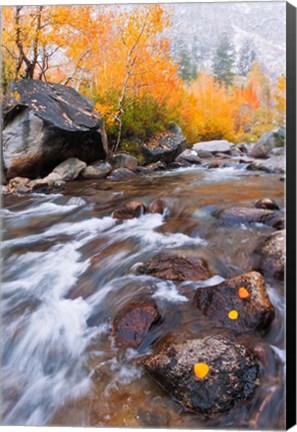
{"type": "Point", "coordinates": [130, 210]}
{"type": "Point", "coordinates": [45, 124]}
{"type": "Point", "coordinates": [158, 206]}
{"type": "Point", "coordinates": [244, 214]}
{"type": "Point", "coordinates": [134, 321]}
{"type": "Point", "coordinates": [165, 147]}
{"type": "Point", "coordinates": [208, 375]}
{"type": "Point", "coordinates": [218, 146]}
{"type": "Point", "coordinates": [176, 266]}
{"type": "Point", "coordinates": [240, 303]}
{"type": "Point", "coordinates": [272, 253]}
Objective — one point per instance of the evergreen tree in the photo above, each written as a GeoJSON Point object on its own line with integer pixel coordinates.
{"type": "Point", "coordinates": [187, 67]}
{"type": "Point", "coordinates": [246, 57]}
{"type": "Point", "coordinates": [223, 62]}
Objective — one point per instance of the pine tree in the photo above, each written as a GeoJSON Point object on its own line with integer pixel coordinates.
{"type": "Point", "coordinates": [223, 62]}
{"type": "Point", "coordinates": [187, 68]}
{"type": "Point", "coordinates": [246, 57]}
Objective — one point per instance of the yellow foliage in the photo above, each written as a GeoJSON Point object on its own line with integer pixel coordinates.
{"type": "Point", "coordinates": [119, 57]}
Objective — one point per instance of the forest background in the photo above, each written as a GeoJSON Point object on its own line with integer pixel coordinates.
{"type": "Point", "coordinates": [142, 74]}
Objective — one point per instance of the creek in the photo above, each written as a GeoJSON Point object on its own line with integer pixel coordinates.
{"type": "Point", "coordinates": [60, 365]}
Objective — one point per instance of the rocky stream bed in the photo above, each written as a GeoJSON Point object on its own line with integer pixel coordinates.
{"type": "Point", "coordinates": [167, 312]}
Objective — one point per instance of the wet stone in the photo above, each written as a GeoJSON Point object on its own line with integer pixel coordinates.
{"type": "Point", "coordinates": [18, 185]}
{"type": "Point", "coordinates": [245, 214]}
{"type": "Point", "coordinates": [216, 164]}
{"type": "Point", "coordinates": [121, 173]}
{"type": "Point", "coordinates": [279, 224]}
{"type": "Point", "coordinates": [267, 203]}
{"type": "Point", "coordinates": [176, 266]}
{"type": "Point", "coordinates": [131, 210]}
{"type": "Point", "coordinates": [158, 206]}
{"type": "Point", "coordinates": [232, 373]}
{"type": "Point", "coordinates": [272, 254]}
{"type": "Point", "coordinates": [240, 303]}
{"type": "Point", "coordinates": [134, 321]}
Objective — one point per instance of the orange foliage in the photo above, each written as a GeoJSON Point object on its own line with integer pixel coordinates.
{"type": "Point", "coordinates": [120, 57]}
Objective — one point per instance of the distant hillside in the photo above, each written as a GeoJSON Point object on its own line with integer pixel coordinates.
{"type": "Point", "coordinates": [200, 26]}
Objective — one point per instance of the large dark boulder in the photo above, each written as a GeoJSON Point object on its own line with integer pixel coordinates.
{"type": "Point", "coordinates": [165, 147]}
{"type": "Point", "coordinates": [44, 124]}
{"type": "Point", "coordinates": [240, 303]}
{"type": "Point", "coordinates": [229, 373]}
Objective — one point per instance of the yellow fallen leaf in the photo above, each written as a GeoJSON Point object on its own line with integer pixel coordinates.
{"type": "Point", "coordinates": [233, 314]}
{"type": "Point", "coordinates": [201, 370]}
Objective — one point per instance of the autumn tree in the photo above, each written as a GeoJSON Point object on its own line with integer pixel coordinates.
{"type": "Point", "coordinates": [139, 67]}
{"type": "Point", "coordinates": [280, 99]}
{"type": "Point", "coordinates": [223, 61]}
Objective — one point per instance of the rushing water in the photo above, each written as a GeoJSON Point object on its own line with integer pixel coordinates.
{"type": "Point", "coordinates": [60, 365]}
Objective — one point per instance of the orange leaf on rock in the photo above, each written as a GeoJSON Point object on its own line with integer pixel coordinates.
{"type": "Point", "coordinates": [201, 370]}
{"type": "Point", "coordinates": [243, 293]}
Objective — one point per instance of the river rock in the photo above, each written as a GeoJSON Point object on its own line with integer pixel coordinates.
{"type": "Point", "coordinates": [255, 311]}
{"type": "Point", "coordinates": [131, 210]}
{"type": "Point", "coordinates": [279, 224]}
{"type": "Point", "coordinates": [245, 147]}
{"type": "Point", "coordinates": [121, 173]}
{"type": "Point", "coordinates": [134, 321]}
{"type": "Point", "coordinates": [267, 203]}
{"type": "Point", "coordinates": [266, 143]}
{"type": "Point", "coordinates": [158, 206]}
{"type": "Point", "coordinates": [216, 164]}
{"type": "Point", "coordinates": [203, 154]}
{"type": "Point", "coordinates": [165, 147]}
{"type": "Point", "coordinates": [278, 151]}
{"type": "Point", "coordinates": [176, 165]}
{"type": "Point", "coordinates": [123, 160]}
{"type": "Point", "coordinates": [189, 156]}
{"type": "Point", "coordinates": [275, 165]}
{"type": "Point", "coordinates": [273, 254]}
{"type": "Point", "coordinates": [157, 166]}
{"type": "Point", "coordinates": [97, 169]}
{"type": "Point", "coordinates": [18, 185]}
{"type": "Point", "coordinates": [244, 214]}
{"type": "Point", "coordinates": [45, 124]}
{"type": "Point", "coordinates": [219, 146]}
{"type": "Point", "coordinates": [70, 169]}
{"type": "Point", "coordinates": [176, 266]}
{"type": "Point", "coordinates": [232, 376]}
